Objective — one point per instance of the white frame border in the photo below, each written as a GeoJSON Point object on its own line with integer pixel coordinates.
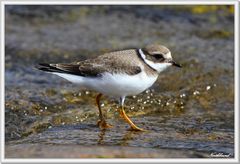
{"type": "Point", "coordinates": [128, 2]}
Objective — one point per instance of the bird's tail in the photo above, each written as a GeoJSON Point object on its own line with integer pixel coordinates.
{"type": "Point", "coordinates": [65, 71]}
{"type": "Point", "coordinates": [48, 67]}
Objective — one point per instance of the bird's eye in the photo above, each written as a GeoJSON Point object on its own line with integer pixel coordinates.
{"type": "Point", "coordinates": [158, 56]}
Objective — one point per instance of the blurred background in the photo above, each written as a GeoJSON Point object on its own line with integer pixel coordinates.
{"type": "Point", "coordinates": [189, 112]}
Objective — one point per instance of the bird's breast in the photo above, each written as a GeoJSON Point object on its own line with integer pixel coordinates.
{"type": "Point", "coordinates": [117, 85]}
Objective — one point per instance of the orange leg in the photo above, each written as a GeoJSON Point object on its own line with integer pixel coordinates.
{"type": "Point", "coordinates": [101, 122]}
{"type": "Point", "coordinates": [127, 119]}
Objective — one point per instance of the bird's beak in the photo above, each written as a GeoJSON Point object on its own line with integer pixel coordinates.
{"type": "Point", "coordinates": [175, 64]}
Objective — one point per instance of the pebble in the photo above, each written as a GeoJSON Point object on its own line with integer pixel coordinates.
{"type": "Point", "coordinates": [196, 92]}
{"type": "Point", "coordinates": [208, 87]}
{"type": "Point", "coordinates": [147, 91]}
{"type": "Point", "coordinates": [183, 95]}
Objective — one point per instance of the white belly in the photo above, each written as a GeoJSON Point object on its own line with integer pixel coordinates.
{"type": "Point", "coordinates": [114, 85]}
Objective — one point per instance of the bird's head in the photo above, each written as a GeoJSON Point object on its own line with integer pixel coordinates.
{"type": "Point", "coordinates": [158, 57]}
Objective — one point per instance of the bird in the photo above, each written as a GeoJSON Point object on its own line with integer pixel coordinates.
{"type": "Point", "coordinates": [116, 74]}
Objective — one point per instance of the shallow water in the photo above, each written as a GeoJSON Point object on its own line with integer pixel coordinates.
{"type": "Point", "coordinates": [188, 111]}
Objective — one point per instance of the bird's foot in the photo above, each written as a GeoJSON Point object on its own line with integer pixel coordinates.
{"type": "Point", "coordinates": [135, 128]}
{"type": "Point", "coordinates": [102, 124]}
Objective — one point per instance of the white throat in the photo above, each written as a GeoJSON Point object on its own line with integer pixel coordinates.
{"type": "Point", "coordinates": [159, 67]}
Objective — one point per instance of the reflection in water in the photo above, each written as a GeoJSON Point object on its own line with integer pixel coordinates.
{"type": "Point", "coordinates": [124, 140]}
{"type": "Point", "coordinates": [128, 136]}
{"type": "Point", "coordinates": [101, 136]}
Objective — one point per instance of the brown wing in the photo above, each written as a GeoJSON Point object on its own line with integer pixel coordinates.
{"type": "Point", "coordinates": [112, 63]}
